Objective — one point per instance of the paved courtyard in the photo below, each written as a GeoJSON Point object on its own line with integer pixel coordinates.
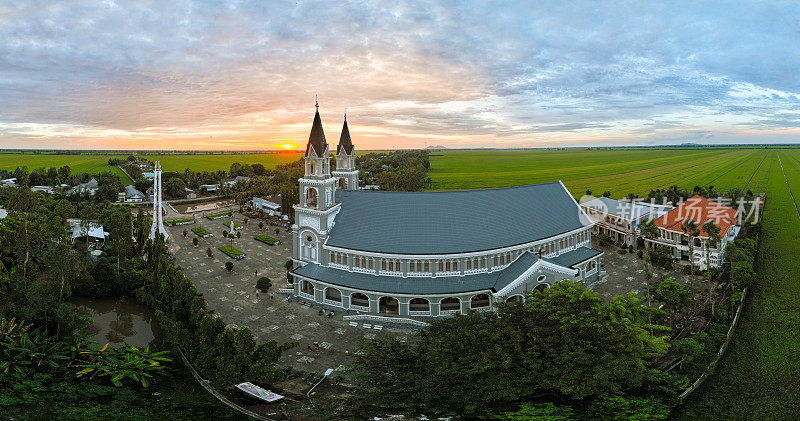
{"type": "Point", "coordinates": [232, 294]}
{"type": "Point", "coordinates": [625, 272]}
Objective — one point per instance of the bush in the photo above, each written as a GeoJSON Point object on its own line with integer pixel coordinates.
{"type": "Point", "coordinates": [603, 240]}
{"type": "Point", "coordinates": [622, 251]}
{"type": "Point", "coordinates": [687, 270]}
{"type": "Point", "coordinates": [266, 239]}
{"type": "Point", "coordinates": [195, 241]}
{"type": "Point", "coordinates": [640, 254]}
{"type": "Point", "coordinates": [229, 266]}
{"type": "Point", "coordinates": [232, 252]}
{"type": "Point", "coordinates": [208, 252]}
{"type": "Point", "coordinates": [673, 294]}
{"type": "Point", "coordinates": [263, 284]}
{"type": "Point", "coordinates": [201, 232]}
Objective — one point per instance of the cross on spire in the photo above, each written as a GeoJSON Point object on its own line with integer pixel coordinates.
{"type": "Point", "coordinates": [316, 102]}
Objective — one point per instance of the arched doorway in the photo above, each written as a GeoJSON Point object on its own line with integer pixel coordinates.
{"type": "Point", "coordinates": [333, 294]}
{"type": "Point", "coordinates": [419, 304]}
{"type": "Point", "coordinates": [449, 304]}
{"type": "Point", "coordinates": [388, 305]}
{"type": "Point", "coordinates": [359, 299]}
{"type": "Point", "coordinates": [342, 184]}
{"type": "Point", "coordinates": [479, 301]}
{"type": "Point", "coordinates": [307, 287]}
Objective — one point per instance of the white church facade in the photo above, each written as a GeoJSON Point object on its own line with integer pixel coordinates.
{"type": "Point", "coordinates": [429, 254]}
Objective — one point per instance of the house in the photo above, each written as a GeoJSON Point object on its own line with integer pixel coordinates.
{"type": "Point", "coordinates": [232, 181]}
{"type": "Point", "coordinates": [704, 250]}
{"type": "Point", "coordinates": [269, 205]}
{"type": "Point", "coordinates": [46, 189]}
{"type": "Point", "coordinates": [149, 176]}
{"type": "Point", "coordinates": [8, 182]}
{"type": "Point", "coordinates": [133, 195]}
{"type": "Point", "coordinates": [92, 231]}
{"type": "Point", "coordinates": [190, 194]}
{"type": "Point", "coordinates": [209, 188]}
{"type": "Point", "coordinates": [89, 187]}
{"type": "Point", "coordinates": [621, 219]}
{"type": "Point", "coordinates": [3, 212]}
{"type": "Point", "coordinates": [371, 187]}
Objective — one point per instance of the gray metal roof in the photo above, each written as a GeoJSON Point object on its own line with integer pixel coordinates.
{"type": "Point", "coordinates": [494, 281]}
{"type": "Point", "coordinates": [572, 258]}
{"type": "Point", "coordinates": [131, 191]}
{"type": "Point", "coordinates": [449, 222]}
{"type": "Point", "coordinates": [625, 209]}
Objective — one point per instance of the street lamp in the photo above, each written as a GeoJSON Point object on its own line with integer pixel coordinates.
{"type": "Point", "coordinates": [327, 373]}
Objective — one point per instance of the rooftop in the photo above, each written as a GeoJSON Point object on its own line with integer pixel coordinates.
{"type": "Point", "coordinates": [625, 209]}
{"type": "Point", "coordinates": [700, 210]}
{"type": "Point", "coordinates": [450, 222]}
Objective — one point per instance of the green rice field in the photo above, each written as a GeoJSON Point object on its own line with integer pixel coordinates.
{"type": "Point", "coordinates": [759, 377]}
{"type": "Point", "coordinates": [91, 163]}
{"type": "Point", "coordinates": [620, 171]}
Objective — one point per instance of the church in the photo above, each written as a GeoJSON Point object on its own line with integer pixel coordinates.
{"type": "Point", "coordinates": [432, 253]}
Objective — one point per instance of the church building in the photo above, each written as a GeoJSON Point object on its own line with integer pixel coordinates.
{"type": "Point", "coordinates": [432, 253]}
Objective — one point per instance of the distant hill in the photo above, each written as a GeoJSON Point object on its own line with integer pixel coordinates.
{"type": "Point", "coordinates": [436, 147]}
{"type": "Point", "coordinates": [690, 144]}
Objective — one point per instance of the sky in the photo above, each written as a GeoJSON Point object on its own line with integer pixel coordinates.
{"type": "Point", "coordinates": [243, 75]}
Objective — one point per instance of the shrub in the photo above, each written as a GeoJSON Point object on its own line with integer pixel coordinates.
{"type": "Point", "coordinates": [640, 254]}
{"type": "Point", "coordinates": [229, 266]}
{"type": "Point", "coordinates": [195, 241]}
{"type": "Point", "coordinates": [687, 270]}
{"type": "Point", "coordinates": [261, 225]}
{"type": "Point", "coordinates": [208, 252]}
{"type": "Point", "coordinates": [266, 239]}
{"type": "Point", "coordinates": [185, 233]}
{"type": "Point", "coordinates": [622, 251]}
{"type": "Point", "coordinates": [201, 232]}
{"type": "Point", "coordinates": [225, 233]}
{"type": "Point", "coordinates": [603, 240]}
{"type": "Point", "coordinates": [263, 284]}
{"type": "Point", "coordinates": [238, 234]}
{"type": "Point", "coordinates": [673, 294]}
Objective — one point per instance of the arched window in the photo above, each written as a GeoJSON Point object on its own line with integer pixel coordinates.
{"type": "Point", "coordinates": [419, 304]}
{"type": "Point", "coordinates": [333, 294]}
{"type": "Point", "coordinates": [697, 242]}
{"type": "Point", "coordinates": [359, 299]}
{"type": "Point", "coordinates": [311, 197]}
{"type": "Point", "coordinates": [388, 305]}
{"type": "Point", "coordinates": [450, 303]}
{"type": "Point", "coordinates": [541, 287]}
{"type": "Point", "coordinates": [479, 301]}
{"type": "Point", "coordinates": [515, 299]}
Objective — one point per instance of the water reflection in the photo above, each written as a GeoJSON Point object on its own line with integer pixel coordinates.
{"type": "Point", "coordinates": [118, 320]}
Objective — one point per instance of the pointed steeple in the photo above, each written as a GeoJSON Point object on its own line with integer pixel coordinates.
{"type": "Point", "coordinates": [316, 140]}
{"type": "Point", "coordinates": [344, 141]}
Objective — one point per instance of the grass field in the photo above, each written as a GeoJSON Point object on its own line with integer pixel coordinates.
{"type": "Point", "coordinates": [759, 378]}
{"type": "Point", "coordinates": [620, 171]}
{"type": "Point", "coordinates": [178, 162]}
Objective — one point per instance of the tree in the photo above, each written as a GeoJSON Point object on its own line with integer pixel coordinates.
{"type": "Point", "coordinates": [261, 225]}
{"type": "Point", "coordinates": [142, 184]}
{"type": "Point", "coordinates": [229, 266]}
{"type": "Point", "coordinates": [195, 241]}
{"type": "Point", "coordinates": [185, 233]}
{"type": "Point", "coordinates": [712, 231]}
{"type": "Point", "coordinates": [742, 274]}
{"type": "Point", "coordinates": [238, 234]}
{"type": "Point", "coordinates": [673, 294]}
{"type": "Point", "coordinates": [577, 344]}
{"type": "Point", "coordinates": [263, 284]}
{"type": "Point", "coordinates": [24, 201]}
{"type": "Point", "coordinates": [175, 187]}
{"type": "Point", "coordinates": [208, 252]}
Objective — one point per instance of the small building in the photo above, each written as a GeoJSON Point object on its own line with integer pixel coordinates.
{"type": "Point", "coordinates": [45, 189]}
{"type": "Point", "coordinates": [621, 219]}
{"type": "Point", "coordinates": [371, 187]}
{"type": "Point", "coordinates": [190, 194]}
{"type": "Point", "coordinates": [149, 176]}
{"type": "Point", "coordinates": [269, 205]}
{"type": "Point", "coordinates": [133, 195]}
{"type": "Point", "coordinates": [92, 232]}
{"type": "Point", "coordinates": [89, 187]}
{"type": "Point", "coordinates": [3, 212]}
{"type": "Point", "coordinates": [8, 182]}
{"type": "Point", "coordinates": [209, 188]}
{"type": "Point", "coordinates": [232, 181]}
{"type": "Point", "coordinates": [705, 252]}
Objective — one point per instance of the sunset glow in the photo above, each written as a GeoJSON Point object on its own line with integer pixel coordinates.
{"type": "Point", "coordinates": [200, 75]}
{"type": "Point", "coordinates": [288, 146]}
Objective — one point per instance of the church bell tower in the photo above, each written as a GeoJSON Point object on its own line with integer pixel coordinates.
{"type": "Point", "coordinates": [346, 173]}
{"type": "Point", "coordinates": [317, 208]}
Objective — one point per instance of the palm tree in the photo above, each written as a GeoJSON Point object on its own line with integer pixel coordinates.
{"type": "Point", "coordinates": [712, 231]}
{"type": "Point", "coordinates": [25, 202]}
{"type": "Point", "coordinates": [690, 228]}
{"type": "Point", "coordinates": [650, 231]}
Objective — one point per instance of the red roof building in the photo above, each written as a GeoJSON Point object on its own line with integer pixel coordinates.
{"type": "Point", "coordinates": [700, 210]}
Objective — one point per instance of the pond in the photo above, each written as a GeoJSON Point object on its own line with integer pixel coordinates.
{"type": "Point", "coordinates": [118, 320]}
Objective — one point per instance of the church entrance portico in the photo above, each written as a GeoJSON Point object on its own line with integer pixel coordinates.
{"type": "Point", "coordinates": [388, 305]}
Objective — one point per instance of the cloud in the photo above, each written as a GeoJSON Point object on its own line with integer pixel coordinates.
{"type": "Point", "coordinates": [201, 74]}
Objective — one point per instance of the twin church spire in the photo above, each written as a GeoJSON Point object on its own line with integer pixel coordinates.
{"type": "Point", "coordinates": [318, 145]}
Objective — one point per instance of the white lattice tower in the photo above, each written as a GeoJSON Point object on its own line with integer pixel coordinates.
{"type": "Point", "coordinates": [158, 209]}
